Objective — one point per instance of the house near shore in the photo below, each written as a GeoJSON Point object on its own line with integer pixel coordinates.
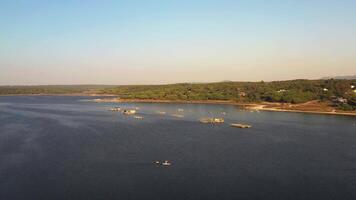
{"type": "Point", "coordinates": [339, 100]}
{"type": "Point", "coordinates": [353, 88]}
{"type": "Point", "coordinates": [281, 90]}
{"type": "Point", "coordinates": [242, 94]}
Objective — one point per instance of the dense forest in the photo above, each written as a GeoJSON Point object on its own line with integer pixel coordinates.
{"type": "Point", "coordinates": [340, 92]}
{"type": "Point", "coordinates": [50, 89]}
{"type": "Point", "coordinates": [294, 91]}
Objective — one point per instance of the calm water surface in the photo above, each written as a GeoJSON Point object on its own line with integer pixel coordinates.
{"type": "Point", "coordinates": [65, 148]}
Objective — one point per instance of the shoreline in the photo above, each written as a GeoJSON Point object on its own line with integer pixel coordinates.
{"type": "Point", "coordinates": [264, 106]}
{"type": "Point", "coordinates": [303, 111]}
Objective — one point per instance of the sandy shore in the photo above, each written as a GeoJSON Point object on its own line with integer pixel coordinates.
{"type": "Point", "coordinates": [312, 107]}
{"type": "Point", "coordinates": [264, 108]}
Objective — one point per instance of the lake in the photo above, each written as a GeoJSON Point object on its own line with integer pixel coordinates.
{"type": "Point", "coordinates": [63, 147]}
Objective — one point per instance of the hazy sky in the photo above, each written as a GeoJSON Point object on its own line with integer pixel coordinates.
{"type": "Point", "coordinates": [166, 41]}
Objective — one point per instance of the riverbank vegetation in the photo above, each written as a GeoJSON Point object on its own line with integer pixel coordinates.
{"type": "Point", "coordinates": [340, 92]}
{"type": "Point", "coordinates": [51, 89]}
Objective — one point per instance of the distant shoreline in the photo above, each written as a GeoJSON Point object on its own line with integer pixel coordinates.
{"type": "Point", "coordinates": [264, 106]}
{"type": "Point", "coordinates": [69, 94]}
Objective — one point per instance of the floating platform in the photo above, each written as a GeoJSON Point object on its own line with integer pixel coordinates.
{"type": "Point", "coordinates": [212, 120]}
{"type": "Point", "coordinates": [240, 125]}
{"type": "Point", "coordinates": [116, 109]}
{"type": "Point", "coordinates": [176, 115]}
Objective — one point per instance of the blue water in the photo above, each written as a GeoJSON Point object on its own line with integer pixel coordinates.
{"type": "Point", "coordinates": [54, 147]}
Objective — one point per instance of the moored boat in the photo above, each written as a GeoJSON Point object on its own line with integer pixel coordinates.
{"type": "Point", "coordinates": [129, 112]}
{"type": "Point", "coordinates": [177, 115]}
{"type": "Point", "coordinates": [161, 112]}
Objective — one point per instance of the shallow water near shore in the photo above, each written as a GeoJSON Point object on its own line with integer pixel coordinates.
{"type": "Point", "coordinates": [62, 147]}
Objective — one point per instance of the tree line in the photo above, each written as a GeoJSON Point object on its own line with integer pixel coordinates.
{"type": "Point", "coordinates": [293, 91]}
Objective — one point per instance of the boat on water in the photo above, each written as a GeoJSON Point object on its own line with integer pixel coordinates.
{"type": "Point", "coordinates": [177, 115]}
{"type": "Point", "coordinates": [115, 109]}
{"type": "Point", "coordinates": [180, 110]}
{"type": "Point", "coordinates": [129, 112]}
{"type": "Point", "coordinates": [212, 120]}
{"type": "Point", "coordinates": [241, 125]}
{"type": "Point", "coordinates": [137, 117]}
{"type": "Point", "coordinates": [161, 112]}
{"type": "Point", "coordinates": [165, 163]}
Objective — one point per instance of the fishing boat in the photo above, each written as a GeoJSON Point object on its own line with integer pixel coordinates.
{"type": "Point", "coordinates": [137, 117]}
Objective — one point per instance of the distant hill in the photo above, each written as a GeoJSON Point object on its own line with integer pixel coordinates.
{"type": "Point", "coordinates": [52, 89]}
{"type": "Point", "coordinates": [341, 77]}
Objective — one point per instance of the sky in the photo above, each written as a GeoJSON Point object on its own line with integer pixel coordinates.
{"type": "Point", "coordinates": [171, 41]}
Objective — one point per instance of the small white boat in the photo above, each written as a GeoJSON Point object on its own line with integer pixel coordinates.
{"type": "Point", "coordinates": [180, 110]}
{"type": "Point", "coordinates": [166, 163]}
{"type": "Point", "coordinates": [137, 117]}
{"type": "Point", "coordinates": [129, 112]}
{"type": "Point", "coordinates": [241, 125]}
{"type": "Point", "coordinates": [161, 112]}
{"type": "Point", "coordinates": [176, 115]}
